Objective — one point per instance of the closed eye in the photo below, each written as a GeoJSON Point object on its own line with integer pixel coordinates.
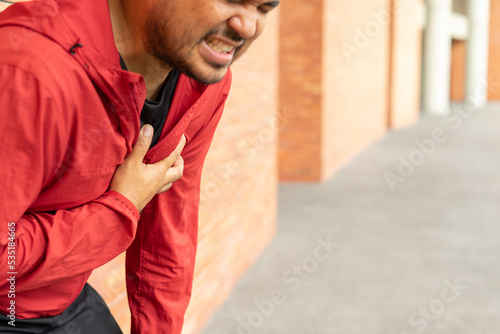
{"type": "Point", "coordinates": [264, 8]}
{"type": "Point", "coordinates": [268, 6]}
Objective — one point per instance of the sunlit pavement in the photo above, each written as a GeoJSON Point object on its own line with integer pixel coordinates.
{"type": "Point", "coordinates": [355, 256]}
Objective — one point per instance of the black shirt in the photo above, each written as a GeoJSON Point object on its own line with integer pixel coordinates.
{"type": "Point", "coordinates": [155, 112]}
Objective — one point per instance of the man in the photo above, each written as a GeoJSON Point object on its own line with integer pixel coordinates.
{"type": "Point", "coordinates": [78, 79]}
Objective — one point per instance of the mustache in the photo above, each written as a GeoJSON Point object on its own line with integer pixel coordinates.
{"type": "Point", "coordinates": [227, 33]}
{"type": "Point", "coordinates": [233, 35]}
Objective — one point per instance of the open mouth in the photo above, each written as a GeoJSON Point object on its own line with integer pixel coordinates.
{"type": "Point", "coordinates": [219, 46]}
{"type": "Point", "coordinates": [217, 52]}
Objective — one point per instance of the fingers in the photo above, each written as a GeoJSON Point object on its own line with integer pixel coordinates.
{"type": "Point", "coordinates": [165, 188]}
{"type": "Point", "coordinates": [143, 143]}
{"type": "Point", "coordinates": [173, 174]}
{"type": "Point", "coordinates": [138, 181]}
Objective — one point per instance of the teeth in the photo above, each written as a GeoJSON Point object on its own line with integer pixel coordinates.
{"type": "Point", "coordinates": [219, 46]}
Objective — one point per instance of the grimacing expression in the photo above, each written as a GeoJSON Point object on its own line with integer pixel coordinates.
{"type": "Point", "coordinates": [202, 38]}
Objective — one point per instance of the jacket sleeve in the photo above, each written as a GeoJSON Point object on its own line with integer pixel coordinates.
{"type": "Point", "coordinates": [160, 261]}
{"type": "Point", "coordinates": [49, 246]}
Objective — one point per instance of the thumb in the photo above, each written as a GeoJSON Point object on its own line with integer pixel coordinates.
{"type": "Point", "coordinates": [143, 143]}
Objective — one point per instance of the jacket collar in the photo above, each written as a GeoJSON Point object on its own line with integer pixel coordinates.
{"type": "Point", "coordinates": [83, 29]}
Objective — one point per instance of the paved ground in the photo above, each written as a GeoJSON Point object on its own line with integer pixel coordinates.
{"type": "Point", "coordinates": [352, 256]}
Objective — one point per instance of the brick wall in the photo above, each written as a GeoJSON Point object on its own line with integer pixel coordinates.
{"type": "Point", "coordinates": [458, 55]}
{"type": "Point", "coordinates": [355, 81]}
{"type": "Point", "coordinates": [334, 81]}
{"type": "Point", "coordinates": [494, 70]}
{"type": "Point", "coordinates": [457, 84]}
{"type": "Point", "coordinates": [300, 87]}
{"type": "Point", "coordinates": [405, 62]}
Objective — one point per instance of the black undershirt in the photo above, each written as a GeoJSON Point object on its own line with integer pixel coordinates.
{"type": "Point", "coordinates": [155, 112]}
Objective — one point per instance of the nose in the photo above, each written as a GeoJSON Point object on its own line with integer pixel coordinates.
{"type": "Point", "coordinates": [244, 23]}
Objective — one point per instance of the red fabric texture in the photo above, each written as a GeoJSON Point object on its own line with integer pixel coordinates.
{"type": "Point", "coordinates": [70, 116]}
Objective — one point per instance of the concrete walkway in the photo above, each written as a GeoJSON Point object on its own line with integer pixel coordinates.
{"type": "Point", "coordinates": [353, 256]}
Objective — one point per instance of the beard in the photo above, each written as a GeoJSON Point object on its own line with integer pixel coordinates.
{"type": "Point", "coordinates": [176, 49]}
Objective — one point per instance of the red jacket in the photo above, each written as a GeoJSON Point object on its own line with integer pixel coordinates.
{"type": "Point", "coordinates": [70, 115]}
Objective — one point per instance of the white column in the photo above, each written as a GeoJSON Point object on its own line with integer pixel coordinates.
{"type": "Point", "coordinates": [437, 57]}
{"type": "Point", "coordinates": [476, 86]}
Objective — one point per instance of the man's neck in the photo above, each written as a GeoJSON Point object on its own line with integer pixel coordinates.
{"type": "Point", "coordinates": [128, 35]}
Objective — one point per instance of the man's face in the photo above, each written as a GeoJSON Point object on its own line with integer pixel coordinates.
{"type": "Point", "coordinates": [202, 38]}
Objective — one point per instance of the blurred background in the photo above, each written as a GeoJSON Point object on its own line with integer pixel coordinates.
{"type": "Point", "coordinates": [352, 185]}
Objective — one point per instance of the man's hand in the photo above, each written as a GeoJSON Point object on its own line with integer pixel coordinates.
{"type": "Point", "coordinates": [140, 182]}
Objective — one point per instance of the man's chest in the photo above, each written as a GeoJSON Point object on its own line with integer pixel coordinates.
{"type": "Point", "coordinates": [98, 144]}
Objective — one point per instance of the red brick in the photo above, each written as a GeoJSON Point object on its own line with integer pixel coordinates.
{"type": "Point", "coordinates": [405, 63]}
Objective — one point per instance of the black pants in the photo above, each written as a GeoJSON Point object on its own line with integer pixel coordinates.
{"type": "Point", "coordinates": [87, 314]}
